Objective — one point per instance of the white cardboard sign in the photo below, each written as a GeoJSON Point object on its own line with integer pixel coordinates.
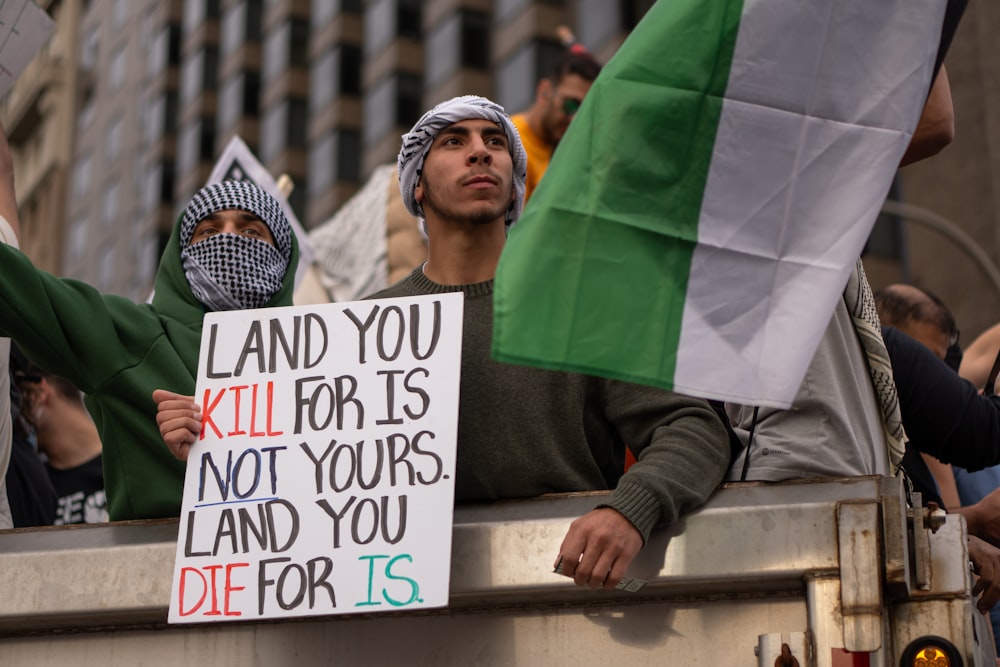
{"type": "Point", "coordinates": [24, 29]}
{"type": "Point", "coordinates": [323, 481]}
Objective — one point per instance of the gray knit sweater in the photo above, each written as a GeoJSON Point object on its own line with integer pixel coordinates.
{"type": "Point", "coordinates": [523, 431]}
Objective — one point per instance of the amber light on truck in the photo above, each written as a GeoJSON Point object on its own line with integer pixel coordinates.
{"type": "Point", "coordinates": [931, 652]}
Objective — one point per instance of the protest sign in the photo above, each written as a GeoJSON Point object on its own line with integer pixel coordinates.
{"type": "Point", "coordinates": [323, 480]}
{"type": "Point", "coordinates": [24, 29]}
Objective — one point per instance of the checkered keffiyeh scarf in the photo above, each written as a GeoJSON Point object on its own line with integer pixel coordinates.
{"type": "Point", "coordinates": [231, 271]}
{"type": "Point", "coordinates": [861, 305]}
{"type": "Point", "coordinates": [417, 142]}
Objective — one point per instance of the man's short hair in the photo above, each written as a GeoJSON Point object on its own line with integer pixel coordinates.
{"type": "Point", "coordinates": [897, 306]}
{"type": "Point", "coordinates": [582, 64]}
{"type": "Point", "coordinates": [27, 372]}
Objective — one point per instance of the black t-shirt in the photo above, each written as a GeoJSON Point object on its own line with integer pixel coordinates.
{"type": "Point", "coordinates": [81, 493]}
{"type": "Point", "coordinates": [31, 495]}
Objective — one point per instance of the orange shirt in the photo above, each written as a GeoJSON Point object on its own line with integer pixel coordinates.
{"type": "Point", "coordinates": [539, 153]}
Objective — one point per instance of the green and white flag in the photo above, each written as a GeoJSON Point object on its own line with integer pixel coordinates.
{"type": "Point", "coordinates": [701, 216]}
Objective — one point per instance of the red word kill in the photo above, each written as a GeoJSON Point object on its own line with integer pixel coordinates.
{"type": "Point", "coordinates": [193, 580]}
{"type": "Point", "coordinates": [242, 423]}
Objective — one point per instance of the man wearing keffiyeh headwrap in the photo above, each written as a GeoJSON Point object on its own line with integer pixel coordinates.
{"type": "Point", "coordinates": [417, 143]}
{"type": "Point", "coordinates": [232, 248]}
{"type": "Point", "coordinates": [525, 431]}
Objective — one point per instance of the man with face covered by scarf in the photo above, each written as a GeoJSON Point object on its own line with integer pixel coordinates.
{"type": "Point", "coordinates": [233, 248]}
{"type": "Point", "coordinates": [523, 431]}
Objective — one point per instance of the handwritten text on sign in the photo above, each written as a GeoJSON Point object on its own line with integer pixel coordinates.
{"type": "Point", "coordinates": [323, 481]}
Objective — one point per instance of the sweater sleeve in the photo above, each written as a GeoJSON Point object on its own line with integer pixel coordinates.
{"type": "Point", "coordinates": [68, 327]}
{"type": "Point", "coordinates": [682, 451]}
{"type": "Point", "coordinates": [943, 414]}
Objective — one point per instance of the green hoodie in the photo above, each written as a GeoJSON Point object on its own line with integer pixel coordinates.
{"type": "Point", "coordinates": [117, 352]}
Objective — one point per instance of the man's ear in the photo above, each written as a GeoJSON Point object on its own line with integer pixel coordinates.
{"type": "Point", "coordinates": [43, 392]}
{"type": "Point", "coordinates": [418, 192]}
{"type": "Point", "coordinates": [544, 90]}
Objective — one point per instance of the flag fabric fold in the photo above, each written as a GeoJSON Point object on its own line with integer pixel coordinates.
{"type": "Point", "coordinates": [702, 214]}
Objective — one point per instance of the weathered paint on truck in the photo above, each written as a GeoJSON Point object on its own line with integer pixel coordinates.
{"type": "Point", "coordinates": [839, 571]}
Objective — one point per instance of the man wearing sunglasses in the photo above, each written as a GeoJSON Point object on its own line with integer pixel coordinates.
{"type": "Point", "coordinates": [557, 99]}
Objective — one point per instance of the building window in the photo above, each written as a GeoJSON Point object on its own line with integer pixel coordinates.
{"type": "Point", "coordinates": [299, 199]}
{"type": "Point", "coordinates": [230, 102]}
{"type": "Point", "coordinates": [241, 23]}
{"type": "Point", "coordinates": [106, 269]}
{"type": "Point", "coordinates": [334, 158]}
{"type": "Point", "coordinates": [442, 51]}
{"type": "Point", "coordinates": [153, 119]}
{"type": "Point", "coordinates": [113, 140]}
{"type": "Point", "coordinates": [191, 77]}
{"type": "Point", "coordinates": [210, 70]}
{"type": "Point", "coordinates": [110, 202]}
{"type": "Point", "coordinates": [196, 144]}
{"type": "Point", "coordinates": [166, 50]}
{"type": "Point", "coordinates": [206, 145]}
{"type": "Point", "coordinates": [518, 75]}
{"type": "Point", "coordinates": [255, 20]}
{"type": "Point", "coordinates": [409, 107]}
{"type": "Point", "coordinates": [197, 12]}
{"type": "Point", "coordinates": [324, 11]}
{"type": "Point", "coordinates": [87, 107]}
{"type": "Point", "coordinates": [395, 101]}
{"type": "Point", "coordinates": [323, 79]}
{"type": "Point", "coordinates": [599, 21]}
{"type": "Point", "coordinates": [89, 51]}
{"type": "Point", "coordinates": [273, 132]}
{"type": "Point", "coordinates": [475, 40]}
{"type": "Point", "coordinates": [173, 44]}
{"type": "Point", "coordinates": [336, 71]}
{"type": "Point", "coordinates": [81, 178]}
{"type": "Point", "coordinates": [150, 192]}
{"type": "Point", "coordinates": [408, 18]}
{"type": "Point", "coordinates": [298, 48]}
{"type": "Point", "coordinates": [297, 129]}
{"type": "Point", "coordinates": [116, 71]}
{"type": "Point", "coordinates": [350, 70]}
{"type": "Point", "coordinates": [234, 27]}
{"type": "Point", "coordinates": [504, 9]}
{"type": "Point", "coordinates": [251, 94]}
{"type": "Point", "coordinates": [119, 13]}
{"type": "Point", "coordinates": [349, 156]}
{"type": "Point", "coordinates": [461, 40]}
{"type": "Point", "coordinates": [170, 115]}
{"type": "Point", "coordinates": [379, 25]}
{"type": "Point", "coordinates": [78, 235]}
{"type": "Point", "coordinates": [276, 53]}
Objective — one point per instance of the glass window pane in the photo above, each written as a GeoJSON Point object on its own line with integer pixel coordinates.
{"type": "Point", "coordinates": [276, 53]}
{"type": "Point", "coordinates": [321, 165]}
{"type": "Point", "coordinates": [442, 52]}
{"type": "Point", "coordinates": [380, 25]}
{"type": "Point", "coordinates": [323, 79]}
{"type": "Point", "coordinates": [475, 40]}
{"type": "Point", "coordinates": [233, 25]}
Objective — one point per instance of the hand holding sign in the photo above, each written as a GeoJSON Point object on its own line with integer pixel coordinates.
{"type": "Point", "coordinates": [179, 419]}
